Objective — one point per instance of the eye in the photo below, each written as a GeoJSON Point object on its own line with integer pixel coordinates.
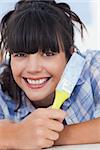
{"type": "Point", "coordinates": [19, 54]}
{"type": "Point", "coordinates": [49, 53]}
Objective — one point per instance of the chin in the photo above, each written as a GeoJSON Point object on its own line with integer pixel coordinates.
{"type": "Point", "coordinates": [35, 98]}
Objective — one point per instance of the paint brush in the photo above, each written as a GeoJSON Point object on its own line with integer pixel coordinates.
{"type": "Point", "coordinates": [68, 79]}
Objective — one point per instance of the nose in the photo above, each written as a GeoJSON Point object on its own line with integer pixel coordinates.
{"type": "Point", "coordinates": [34, 63]}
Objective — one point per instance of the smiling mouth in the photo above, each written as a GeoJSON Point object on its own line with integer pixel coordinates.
{"type": "Point", "coordinates": [36, 83]}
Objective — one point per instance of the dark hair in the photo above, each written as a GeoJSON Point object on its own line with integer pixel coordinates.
{"type": "Point", "coordinates": [36, 25]}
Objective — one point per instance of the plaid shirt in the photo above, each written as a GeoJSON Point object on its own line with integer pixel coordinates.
{"type": "Point", "coordinates": [83, 104]}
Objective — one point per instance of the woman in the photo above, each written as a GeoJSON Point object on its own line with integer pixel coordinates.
{"type": "Point", "coordinates": [39, 37]}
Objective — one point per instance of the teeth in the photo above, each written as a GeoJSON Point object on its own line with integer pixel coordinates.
{"type": "Point", "coordinates": [36, 82]}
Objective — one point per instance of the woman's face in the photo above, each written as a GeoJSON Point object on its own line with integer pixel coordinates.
{"type": "Point", "coordinates": [38, 74]}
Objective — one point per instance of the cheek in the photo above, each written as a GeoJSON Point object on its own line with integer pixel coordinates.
{"type": "Point", "coordinates": [16, 69]}
{"type": "Point", "coordinates": [57, 70]}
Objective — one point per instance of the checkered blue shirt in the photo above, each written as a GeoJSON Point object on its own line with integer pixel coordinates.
{"type": "Point", "coordinates": [83, 104]}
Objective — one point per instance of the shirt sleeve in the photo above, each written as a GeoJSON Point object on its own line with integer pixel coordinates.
{"type": "Point", "coordinates": [95, 83]}
{"type": "Point", "coordinates": [4, 112]}
{"type": "Point", "coordinates": [1, 113]}
{"type": "Point", "coordinates": [1, 109]}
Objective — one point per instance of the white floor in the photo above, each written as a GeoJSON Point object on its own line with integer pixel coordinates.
{"type": "Point", "coordinates": [77, 147]}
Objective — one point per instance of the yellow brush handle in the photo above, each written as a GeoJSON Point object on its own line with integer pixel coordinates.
{"type": "Point", "coordinates": [60, 97]}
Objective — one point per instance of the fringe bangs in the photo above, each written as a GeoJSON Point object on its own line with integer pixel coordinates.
{"type": "Point", "coordinates": [29, 32]}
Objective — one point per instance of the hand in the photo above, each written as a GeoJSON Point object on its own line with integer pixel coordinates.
{"type": "Point", "coordinates": [40, 129]}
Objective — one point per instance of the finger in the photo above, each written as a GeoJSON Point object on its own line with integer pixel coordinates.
{"type": "Point", "coordinates": [57, 114]}
{"type": "Point", "coordinates": [51, 135]}
{"type": "Point", "coordinates": [60, 119]}
{"type": "Point", "coordinates": [46, 143]}
{"type": "Point", "coordinates": [54, 125]}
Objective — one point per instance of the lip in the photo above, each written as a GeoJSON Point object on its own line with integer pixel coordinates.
{"type": "Point", "coordinates": [36, 78]}
{"type": "Point", "coordinates": [36, 86]}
